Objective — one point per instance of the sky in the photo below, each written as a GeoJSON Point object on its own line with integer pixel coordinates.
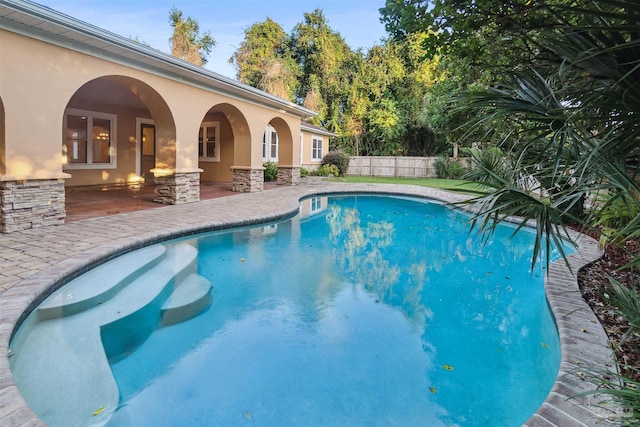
{"type": "Point", "coordinates": [357, 21]}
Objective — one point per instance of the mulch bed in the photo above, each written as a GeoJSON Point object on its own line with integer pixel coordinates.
{"type": "Point", "coordinates": [597, 292]}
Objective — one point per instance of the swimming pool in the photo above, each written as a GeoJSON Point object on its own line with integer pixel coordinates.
{"type": "Point", "coordinates": [387, 334]}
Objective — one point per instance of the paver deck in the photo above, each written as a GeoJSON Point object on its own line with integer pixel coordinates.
{"type": "Point", "coordinates": [35, 262]}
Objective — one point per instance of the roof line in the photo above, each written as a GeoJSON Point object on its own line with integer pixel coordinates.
{"type": "Point", "coordinates": [316, 129]}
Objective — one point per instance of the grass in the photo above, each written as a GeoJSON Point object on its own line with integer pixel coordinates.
{"type": "Point", "coordinates": [455, 185]}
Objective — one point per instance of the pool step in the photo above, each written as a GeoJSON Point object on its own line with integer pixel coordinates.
{"type": "Point", "coordinates": [177, 264]}
{"type": "Point", "coordinates": [63, 365]}
{"type": "Point", "coordinates": [62, 371]}
{"type": "Point", "coordinates": [133, 314]}
{"type": "Point", "coordinates": [189, 298]}
{"type": "Point", "coordinates": [100, 284]}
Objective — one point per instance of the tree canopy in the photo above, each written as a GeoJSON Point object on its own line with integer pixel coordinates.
{"type": "Point", "coordinates": [263, 60]}
{"type": "Point", "coordinates": [372, 99]}
{"type": "Point", "coordinates": [186, 42]}
{"type": "Point", "coordinates": [399, 96]}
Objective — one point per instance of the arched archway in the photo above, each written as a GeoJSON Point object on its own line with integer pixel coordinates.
{"type": "Point", "coordinates": [288, 167]}
{"type": "Point", "coordinates": [285, 141]}
{"type": "Point", "coordinates": [102, 144]}
{"type": "Point", "coordinates": [224, 141]}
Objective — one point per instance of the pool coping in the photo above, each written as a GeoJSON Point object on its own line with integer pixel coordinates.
{"type": "Point", "coordinates": [33, 263]}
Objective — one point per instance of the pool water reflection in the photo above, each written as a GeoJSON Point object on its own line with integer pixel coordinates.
{"type": "Point", "coordinates": [361, 310]}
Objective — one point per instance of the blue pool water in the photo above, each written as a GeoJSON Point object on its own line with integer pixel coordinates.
{"type": "Point", "coordinates": [362, 310]}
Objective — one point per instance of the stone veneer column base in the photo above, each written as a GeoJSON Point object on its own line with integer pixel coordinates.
{"type": "Point", "coordinates": [30, 204]}
{"type": "Point", "coordinates": [177, 189]}
{"type": "Point", "coordinates": [288, 175]}
{"type": "Point", "coordinates": [248, 180]}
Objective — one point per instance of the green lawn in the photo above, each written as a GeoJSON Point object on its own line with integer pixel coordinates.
{"type": "Point", "coordinates": [444, 184]}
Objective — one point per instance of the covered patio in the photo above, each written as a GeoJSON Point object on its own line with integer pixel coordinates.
{"type": "Point", "coordinates": [98, 201]}
{"type": "Point", "coordinates": [80, 106]}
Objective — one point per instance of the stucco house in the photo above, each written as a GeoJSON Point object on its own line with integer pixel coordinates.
{"type": "Point", "coordinates": [314, 144]}
{"type": "Point", "coordinates": [82, 106]}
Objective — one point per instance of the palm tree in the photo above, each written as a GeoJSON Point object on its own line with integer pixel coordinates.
{"type": "Point", "coordinates": [573, 143]}
{"type": "Point", "coordinates": [574, 129]}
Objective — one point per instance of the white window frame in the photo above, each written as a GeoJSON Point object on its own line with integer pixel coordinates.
{"type": "Point", "coordinates": [301, 148]}
{"type": "Point", "coordinates": [316, 205]}
{"type": "Point", "coordinates": [113, 147]}
{"type": "Point", "coordinates": [206, 129]}
{"type": "Point", "coordinates": [316, 152]}
{"type": "Point", "coordinates": [267, 139]}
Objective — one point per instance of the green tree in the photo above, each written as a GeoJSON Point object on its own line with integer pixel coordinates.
{"type": "Point", "coordinates": [367, 115]}
{"type": "Point", "coordinates": [500, 36]}
{"type": "Point", "coordinates": [575, 128]}
{"type": "Point", "coordinates": [278, 78]}
{"type": "Point", "coordinates": [324, 58]}
{"type": "Point", "coordinates": [385, 97]}
{"type": "Point", "coordinates": [451, 46]}
{"type": "Point", "coordinates": [313, 98]}
{"type": "Point", "coordinates": [358, 103]}
{"type": "Point", "coordinates": [442, 114]}
{"type": "Point", "coordinates": [186, 42]}
{"type": "Point", "coordinates": [386, 127]}
{"type": "Point", "coordinates": [263, 60]}
{"type": "Point", "coordinates": [373, 99]}
{"type": "Point", "coordinates": [421, 74]}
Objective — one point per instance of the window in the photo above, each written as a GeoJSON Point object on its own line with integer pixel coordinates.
{"type": "Point", "coordinates": [316, 204]}
{"type": "Point", "coordinates": [90, 140]}
{"type": "Point", "coordinates": [209, 142]}
{"type": "Point", "coordinates": [270, 145]}
{"type": "Point", "coordinates": [316, 148]}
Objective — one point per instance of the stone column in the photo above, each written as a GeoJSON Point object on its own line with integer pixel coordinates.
{"type": "Point", "coordinates": [288, 175]}
{"type": "Point", "coordinates": [247, 180]}
{"type": "Point", "coordinates": [177, 189]}
{"type": "Point", "coordinates": [30, 204]}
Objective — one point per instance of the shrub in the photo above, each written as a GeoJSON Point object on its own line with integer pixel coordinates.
{"type": "Point", "coordinates": [270, 171]}
{"type": "Point", "coordinates": [304, 172]}
{"type": "Point", "coordinates": [447, 168]}
{"type": "Point", "coordinates": [456, 170]}
{"type": "Point", "coordinates": [338, 159]}
{"type": "Point", "coordinates": [442, 166]}
{"type": "Point", "coordinates": [617, 212]}
{"type": "Point", "coordinates": [626, 301]}
{"type": "Point", "coordinates": [328, 170]}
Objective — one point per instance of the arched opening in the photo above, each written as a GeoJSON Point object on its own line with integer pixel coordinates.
{"type": "Point", "coordinates": [117, 131]}
{"type": "Point", "coordinates": [224, 141]}
{"type": "Point", "coordinates": [277, 147]}
{"type": "Point", "coordinates": [279, 141]}
{"type": "Point", "coordinates": [102, 134]}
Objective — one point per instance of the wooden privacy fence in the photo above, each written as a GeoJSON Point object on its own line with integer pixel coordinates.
{"type": "Point", "coordinates": [399, 167]}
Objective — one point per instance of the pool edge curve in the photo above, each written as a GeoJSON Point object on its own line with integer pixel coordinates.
{"type": "Point", "coordinates": [584, 343]}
